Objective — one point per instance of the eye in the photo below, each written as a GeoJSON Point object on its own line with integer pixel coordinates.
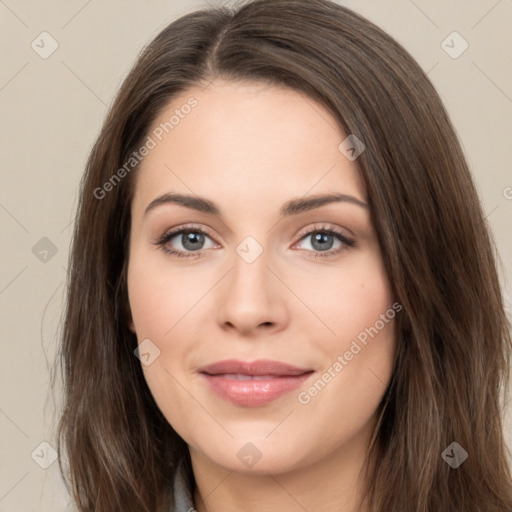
{"type": "Point", "coordinates": [190, 238]}
{"type": "Point", "coordinates": [323, 238]}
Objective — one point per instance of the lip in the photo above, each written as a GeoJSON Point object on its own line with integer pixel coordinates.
{"type": "Point", "coordinates": [254, 368]}
{"type": "Point", "coordinates": [264, 382]}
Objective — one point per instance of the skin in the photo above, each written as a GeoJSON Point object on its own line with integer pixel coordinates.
{"type": "Point", "coordinates": [249, 148]}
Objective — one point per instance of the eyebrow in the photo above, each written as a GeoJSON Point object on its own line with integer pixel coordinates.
{"type": "Point", "coordinates": [291, 207]}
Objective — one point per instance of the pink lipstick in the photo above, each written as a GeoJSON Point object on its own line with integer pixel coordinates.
{"type": "Point", "coordinates": [253, 384]}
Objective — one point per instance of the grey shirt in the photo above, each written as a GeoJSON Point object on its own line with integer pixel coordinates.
{"type": "Point", "coordinates": [183, 490]}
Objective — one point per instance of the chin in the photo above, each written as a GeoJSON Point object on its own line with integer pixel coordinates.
{"type": "Point", "coordinates": [255, 458]}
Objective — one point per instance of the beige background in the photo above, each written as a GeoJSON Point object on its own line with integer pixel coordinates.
{"type": "Point", "coordinates": [52, 109]}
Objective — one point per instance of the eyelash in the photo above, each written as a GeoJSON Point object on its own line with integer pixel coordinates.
{"type": "Point", "coordinates": [329, 230]}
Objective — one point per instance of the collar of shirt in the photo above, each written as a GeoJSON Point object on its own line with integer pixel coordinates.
{"type": "Point", "coordinates": [183, 501]}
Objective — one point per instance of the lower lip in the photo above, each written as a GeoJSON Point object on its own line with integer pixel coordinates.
{"type": "Point", "coordinates": [254, 393]}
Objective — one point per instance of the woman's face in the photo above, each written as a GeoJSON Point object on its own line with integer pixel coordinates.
{"type": "Point", "coordinates": [258, 276]}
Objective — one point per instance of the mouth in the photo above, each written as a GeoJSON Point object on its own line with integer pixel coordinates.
{"type": "Point", "coordinates": [241, 376]}
{"type": "Point", "coordinates": [253, 384]}
{"type": "Point", "coordinates": [258, 368]}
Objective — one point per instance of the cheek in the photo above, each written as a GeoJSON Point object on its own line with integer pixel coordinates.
{"type": "Point", "coordinates": [358, 309]}
{"type": "Point", "coordinates": [148, 305]}
{"type": "Point", "coordinates": [358, 360]}
{"type": "Point", "coordinates": [156, 306]}
{"type": "Point", "coordinates": [159, 295]}
{"type": "Point", "coordinates": [352, 301]}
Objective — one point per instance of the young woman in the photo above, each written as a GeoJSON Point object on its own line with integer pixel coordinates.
{"type": "Point", "coordinates": [283, 292]}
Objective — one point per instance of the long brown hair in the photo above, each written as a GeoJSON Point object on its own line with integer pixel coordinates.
{"type": "Point", "coordinates": [117, 450]}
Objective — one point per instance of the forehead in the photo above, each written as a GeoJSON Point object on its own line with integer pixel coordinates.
{"type": "Point", "coordinates": [247, 143]}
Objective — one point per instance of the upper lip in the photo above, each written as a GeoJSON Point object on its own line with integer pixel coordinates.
{"type": "Point", "coordinates": [255, 368]}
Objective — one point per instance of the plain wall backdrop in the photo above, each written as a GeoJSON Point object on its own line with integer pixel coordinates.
{"type": "Point", "coordinates": [63, 61]}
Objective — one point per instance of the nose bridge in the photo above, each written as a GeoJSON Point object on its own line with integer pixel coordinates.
{"type": "Point", "coordinates": [250, 294]}
{"type": "Point", "coordinates": [250, 274]}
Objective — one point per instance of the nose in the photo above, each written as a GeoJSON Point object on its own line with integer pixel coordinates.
{"type": "Point", "coordinates": [252, 299]}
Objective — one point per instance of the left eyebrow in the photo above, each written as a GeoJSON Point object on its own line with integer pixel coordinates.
{"type": "Point", "coordinates": [292, 207]}
{"type": "Point", "coordinates": [299, 205]}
